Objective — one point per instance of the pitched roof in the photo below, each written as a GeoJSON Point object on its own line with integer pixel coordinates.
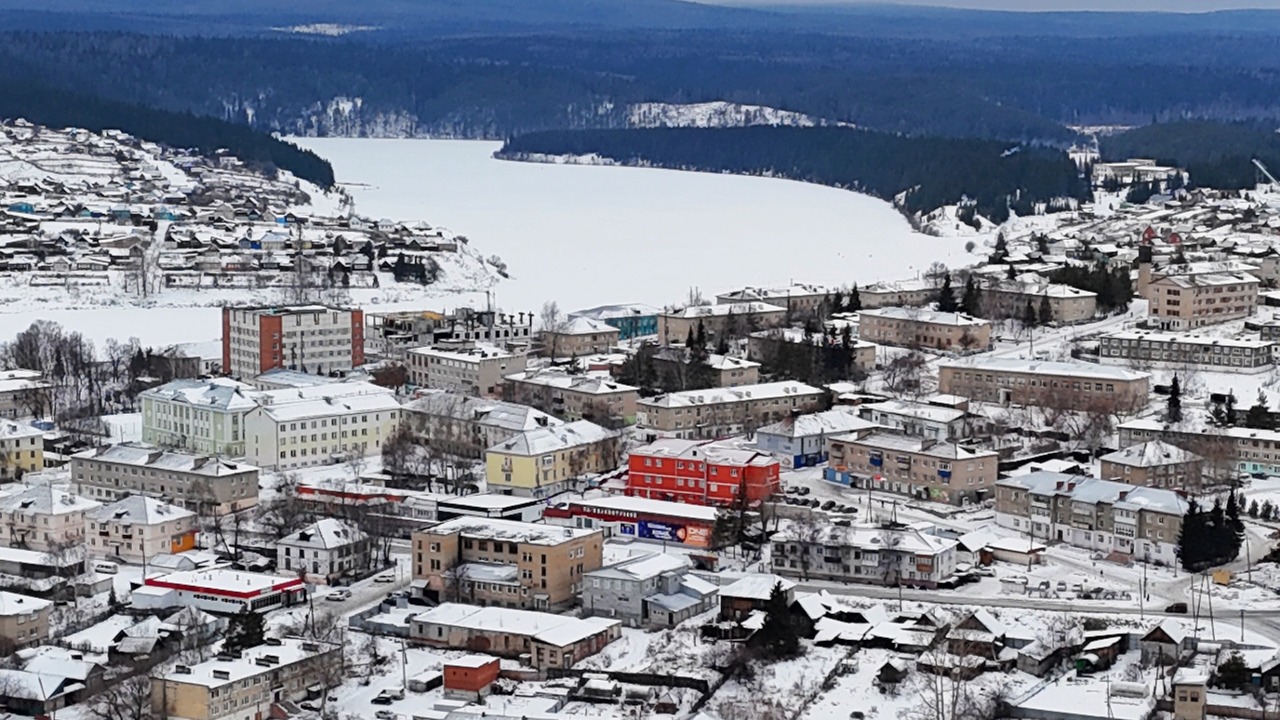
{"type": "Point", "coordinates": [138, 509]}
{"type": "Point", "coordinates": [327, 534]}
{"type": "Point", "coordinates": [543, 440]}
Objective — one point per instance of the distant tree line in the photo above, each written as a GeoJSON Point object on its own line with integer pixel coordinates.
{"type": "Point", "coordinates": [49, 106]}
{"type": "Point", "coordinates": [919, 174]}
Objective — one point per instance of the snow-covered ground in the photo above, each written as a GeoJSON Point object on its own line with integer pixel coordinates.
{"type": "Point", "coordinates": [587, 235]}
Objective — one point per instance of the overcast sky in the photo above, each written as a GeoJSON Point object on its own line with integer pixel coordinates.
{"type": "Point", "coordinates": [1033, 5]}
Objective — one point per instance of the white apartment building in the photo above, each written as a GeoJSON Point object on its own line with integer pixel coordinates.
{"type": "Point", "coordinates": [1184, 297]}
{"type": "Point", "coordinates": [477, 370]}
{"type": "Point", "coordinates": [138, 528]}
{"type": "Point", "coordinates": [43, 518]}
{"type": "Point", "coordinates": [200, 416]}
{"type": "Point", "coordinates": [196, 482]}
{"type": "Point", "coordinates": [324, 551]}
{"type": "Point", "coordinates": [23, 393]}
{"type": "Point", "coordinates": [321, 425]}
{"type": "Point", "coordinates": [864, 554]}
{"type": "Point", "coordinates": [310, 338]}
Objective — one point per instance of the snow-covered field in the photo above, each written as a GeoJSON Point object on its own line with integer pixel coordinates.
{"type": "Point", "coordinates": [585, 235]}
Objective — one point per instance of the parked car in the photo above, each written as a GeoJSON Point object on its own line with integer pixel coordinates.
{"type": "Point", "coordinates": [395, 693]}
{"type": "Point", "coordinates": [804, 491]}
{"type": "Point", "coordinates": [984, 571]}
{"type": "Point", "coordinates": [339, 595]}
{"type": "Point", "coordinates": [385, 715]}
{"type": "Point", "coordinates": [1178, 608]}
{"type": "Point", "coordinates": [385, 578]}
{"type": "Point", "coordinates": [381, 700]}
{"type": "Point", "coordinates": [792, 490]}
{"type": "Point", "coordinates": [828, 504]}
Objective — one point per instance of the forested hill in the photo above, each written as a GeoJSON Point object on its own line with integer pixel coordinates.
{"type": "Point", "coordinates": [40, 104]}
{"type": "Point", "coordinates": [918, 174]}
{"type": "Point", "coordinates": [1215, 155]}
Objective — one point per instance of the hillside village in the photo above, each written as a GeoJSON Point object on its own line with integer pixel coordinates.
{"type": "Point", "coordinates": [1043, 486]}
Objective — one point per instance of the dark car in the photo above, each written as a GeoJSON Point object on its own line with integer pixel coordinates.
{"type": "Point", "coordinates": [828, 505]}
{"type": "Point", "coordinates": [804, 491]}
{"type": "Point", "coordinates": [1178, 608]}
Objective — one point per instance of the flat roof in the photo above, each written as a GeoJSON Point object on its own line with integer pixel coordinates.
{"type": "Point", "coordinates": [488, 501]}
{"type": "Point", "coordinates": [647, 506]}
{"type": "Point", "coordinates": [216, 673]}
{"type": "Point", "coordinates": [557, 630]}
{"type": "Point", "coordinates": [1046, 367]}
{"type": "Point", "coordinates": [510, 530]}
{"type": "Point", "coordinates": [223, 581]}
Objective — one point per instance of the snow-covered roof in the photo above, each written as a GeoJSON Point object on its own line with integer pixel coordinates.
{"type": "Point", "coordinates": [727, 362]}
{"type": "Point", "coordinates": [842, 419]}
{"type": "Point", "coordinates": [219, 580]}
{"type": "Point", "coordinates": [217, 673]}
{"type": "Point", "coordinates": [899, 286]}
{"type": "Point", "coordinates": [694, 312]}
{"type": "Point", "coordinates": [46, 500]}
{"type": "Point", "coordinates": [742, 393]}
{"type": "Point", "coordinates": [510, 530]}
{"type": "Point", "coordinates": [869, 537]}
{"type": "Point", "coordinates": [649, 506]}
{"type": "Point", "coordinates": [325, 534]}
{"type": "Point", "coordinates": [581, 325]}
{"type": "Point", "coordinates": [138, 510]}
{"type": "Point", "coordinates": [34, 686]}
{"type": "Point", "coordinates": [748, 294]}
{"type": "Point", "coordinates": [1045, 367]}
{"type": "Point", "coordinates": [15, 604]}
{"type": "Point", "coordinates": [490, 413]}
{"type": "Point", "coordinates": [755, 587]}
{"type": "Point", "coordinates": [480, 351]}
{"type": "Point", "coordinates": [1186, 339]}
{"type": "Point", "coordinates": [556, 630]}
{"type": "Point", "coordinates": [613, 312]}
{"type": "Point", "coordinates": [294, 404]}
{"type": "Point", "coordinates": [920, 446]}
{"type": "Point", "coordinates": [222, 394]}
{"type": "Point", "coordinates": [588, 384]}
{"type": "Point", "coordinates": [150, 456]}
{"type": "Point", "coordinates": [644, 567]}
{"type": "Point", "coordinates": [12, 381]}
{"type": "Point", "coordinates": [293, 378]}
{"type": "Point", "coordinates": [1151, 454]}
{"type": "Point", "coordinates": [57, 662]}
{"type": "Point", "coordinates": [542, 440]}
{"type": "Point", "coordinates": [916, 410]}
{"type": "Point", "coordinates": [923, 315]}
{"type": "Point", "coordinates": [1094, 490]}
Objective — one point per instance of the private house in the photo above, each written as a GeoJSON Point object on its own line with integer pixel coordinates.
{"type": "Point", "coordinates": [549, 460]}
{"type": "Point", "coordinates": [1167, 643]}
{"type": "Point", "coordinates": [549, 641]}
{"type": "Point", "coordinates": [652, 590]}
{"type": "Point", "coordinates": [750, 594]}
{"type": "Point", "coordinates": [136, 528]}
{"type": "Point", "coordinates": [979, 634]}
{"type": "Point", "coordinates": [324, 552]}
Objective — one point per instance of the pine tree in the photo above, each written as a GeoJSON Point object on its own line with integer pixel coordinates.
{"type": "Point", "coordinates": [690, 340]}
{"type": "Point", "coordinates": [1266, 510]}
{"type": "Point", "coordinates": [1259, 416]}
{"type": "Point", "coordinates": [837, 302]}
{"type": "Point", "coordinates": [947, 296]}
{"type": "Point", "coordinates": [1173, 410]}
{"type": "Point", "coordinates": [1229, 408]}
{"type": "Point", "coordinates": [854, 301]}
{"type": "Point", "coordinates": [1042, 244]}
{"type": "Point", "coordinates": [1253, 509]}
{"type": "Point", "coordinates": [1046, 311]}
{"type": "Point", "coordinates": [1219, 534]}
{"type": "Point", "coordinates": [971, 300]}
{"type": "Point", "coordinates": [1011, 273]}
{"type": "Point", "coordinates": [1029, 315]}
{"type": "Point", "coordinates": [778, 636]}
{"type": "Point", "coordinates": [701, 339]}
{"type": "Point", "coordinates": [1235, 526]}
{"type": "Point", "coordinates": [1190, 549]}
{"type": "Point", "coordinates": [244, 631]}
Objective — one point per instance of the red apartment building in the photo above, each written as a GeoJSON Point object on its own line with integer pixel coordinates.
{"type": "Point", "coordinates": [701, 473]}
{"type": "Point", "coordinates": [309, 338]}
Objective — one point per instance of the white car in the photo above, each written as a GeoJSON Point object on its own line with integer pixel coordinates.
{"type": "Point", "coordinates": [385, 578]}
{"type": "Point", "coordinates": [338, 595]}
{"type": "Point", "coordinates": [385, 715]}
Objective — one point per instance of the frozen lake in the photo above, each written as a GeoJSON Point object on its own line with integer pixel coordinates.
{"type": "Point", "coordinates": [584, 235]}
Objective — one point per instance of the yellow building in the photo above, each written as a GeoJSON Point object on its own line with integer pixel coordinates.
{"type": "Point", "coordinates": [21, 449]}
{"type": "Point", "coordinates": [547, 460]}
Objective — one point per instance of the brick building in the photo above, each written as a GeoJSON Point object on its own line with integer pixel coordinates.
{"type": "Point", "coordinates": [701, 473]}
{"type": "Point", "coordinates": [919, 328]}
{"type": "Point", "coordinates": [311, 338]}
{"type": "Point", "coordinates": [1061, 385]}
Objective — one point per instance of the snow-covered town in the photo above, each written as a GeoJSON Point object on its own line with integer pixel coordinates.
{"type": "Point", "coordinates": [1043, 485]}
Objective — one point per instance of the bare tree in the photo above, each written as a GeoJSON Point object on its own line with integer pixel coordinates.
{"type": "Point", "coordinates": [904, 374]}
{"type": "Point", "coordinates": [553, 323]}
{"type": "Point", "coordinates": [125, 700]}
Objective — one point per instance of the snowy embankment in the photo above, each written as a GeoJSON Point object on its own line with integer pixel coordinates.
{"type": "Point", "coordinates": [719, 114]}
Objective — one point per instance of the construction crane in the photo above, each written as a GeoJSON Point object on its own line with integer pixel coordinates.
{"type": "Point", "coordinates": [1263, 169]}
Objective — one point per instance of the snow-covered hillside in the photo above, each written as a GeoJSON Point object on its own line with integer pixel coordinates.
{"type": "Point", "coordinates": [718, 114]}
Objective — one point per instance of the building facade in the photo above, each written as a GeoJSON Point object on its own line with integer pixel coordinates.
{"type": "Point", "coordinates": [701, 473]}
{"type": "Point", "coordinates": [658, 521]}
{"type": "Point", "coordinates": [549, 641]}
{"type": "Point", "coordinates": [1155, 463]}
{"type": "Point", "coordinates": [799, 299]}
{"type": "Point", "coordinates": [466, 426]}
{"type": "Point", "coordinates": [940, 471]}
{"type": "Point", "coordinates": [1176, 350]}
{"type": "Point", "coordinates": [199, 416]}
{"type": "Point", "coordinates": [1141, 522]}
{"type": "Point", "coordinates": [196, 482]}
{"type": "Point", "coordinates": [931, 422]}
{"type": "Point", "coordinates": [44, 519]}
{"type": "Point", "coordinates": [1061, 385]}
{"type": "Point", "coordinates": [247, 686]}
{"type": "Point", "coordinates": [391, 335]}
{"type": "Point", "coordinates": [310, 338]}
{"type": "Point", "coordinates": [325, 551]}
{"type": "Point", "coordinates": [801, 441]}
{"type": "Point", "coordinates": [901, 293]}
{"type": "Point", "coordinates": [579, 336]}
{"type": "Point", "coordinates": [137, 527]}
{"type": "Point", "coordinates": [319, 426]}
{"type": "Point", "coordinates": [726, 320]}
{"type": "Point", "coordinates": [1067, 305]}
{"type": "Point", "coordinates": [720, 412]}
{"type": "Point", "coordinates": [24, 620]}
{"type": "Point", "coordinates": [869, 554]}
{"type": "Point", "coordinates": [548, 460]}
{"type": "Point", "coordinates": [485, 561]}
{"type": "Point", "coordinates": [21, 449]}
{"type": "Point", "coordinates": [574, 397]}
{"type": "Point", "coordinates": [919, 328]}
{"type": "Point", "coordinates": [1184, 301]}
{"type": "Point", "coordinates": [632, 321]}
{"type": "Point", "coordinates": [1226, 452]}
{"type": "Point", "coordinates": [23, 393]}
{"type": "Point", "coordinates": [478, 370]}
{"type": "Point", "coordinates": [654, 590]}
